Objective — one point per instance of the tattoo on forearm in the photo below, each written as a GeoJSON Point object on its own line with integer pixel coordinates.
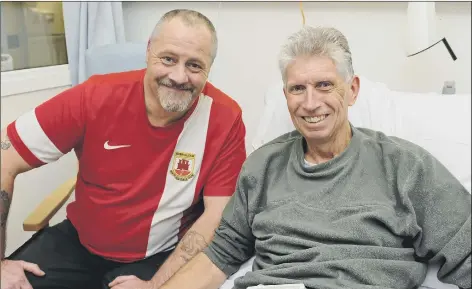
{"type": "Point", "coordinates": [4, 207]}
{"type": "Point", "coordinates": [192, 244]}
{"type": "Point", "coordinates": [6, 144]}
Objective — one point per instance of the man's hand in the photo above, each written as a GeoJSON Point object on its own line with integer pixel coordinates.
{"type": "Point", "coordinates": [129, 282]}
{"type": "Point", "coordinates": [13, 274]}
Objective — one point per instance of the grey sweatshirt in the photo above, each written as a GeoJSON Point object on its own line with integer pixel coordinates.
{"type": "Point", "coordinates": [369, 218]}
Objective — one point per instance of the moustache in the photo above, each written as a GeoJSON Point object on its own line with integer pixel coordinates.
{"type": "Point", "coordinates": [172, 84]}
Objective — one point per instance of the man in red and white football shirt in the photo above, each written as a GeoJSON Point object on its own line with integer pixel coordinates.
{"type": "Point", "coordinates": [159, 153]}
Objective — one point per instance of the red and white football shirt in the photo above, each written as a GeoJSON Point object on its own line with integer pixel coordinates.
{"type": "Point", "coordinates": [139, 187]}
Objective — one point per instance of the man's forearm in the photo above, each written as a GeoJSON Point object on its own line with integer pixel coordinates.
{"type": "Point", "coordinates": [199, 273]}
{"type": "Point", "coordinates": [5, 198]}
{"type": "Point", "coordinates": [6, 188]}
{"type": "Point", "coordinates": [194, 241]}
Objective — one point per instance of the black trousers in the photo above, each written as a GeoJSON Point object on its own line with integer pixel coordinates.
{"type": "Point", "coordinates": [69, 265]}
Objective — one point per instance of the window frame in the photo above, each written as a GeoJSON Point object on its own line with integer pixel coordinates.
{"type": "Point", "coordinates": [39, 78]}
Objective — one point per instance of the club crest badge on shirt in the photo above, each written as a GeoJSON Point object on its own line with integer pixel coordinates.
{"type": "Point", "coordinates": [183, 165]}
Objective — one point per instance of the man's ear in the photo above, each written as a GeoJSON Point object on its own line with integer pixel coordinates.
{"type": "Point", "coordinates": [354, 90]}
{"type": "Point", "coordinates": [148, 50]}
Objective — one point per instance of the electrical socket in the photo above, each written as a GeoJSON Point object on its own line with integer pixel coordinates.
{"type": "Point", "coordinates": [449, 87]}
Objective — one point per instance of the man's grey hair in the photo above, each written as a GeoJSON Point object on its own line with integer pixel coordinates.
{"type": "Point", "coordinates": [190, 18]}
{"type": "Point", "coordinates": [318, 41]}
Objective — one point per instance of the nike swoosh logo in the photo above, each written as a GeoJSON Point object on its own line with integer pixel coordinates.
{"type": "Point", "coordinates": [109, 147]}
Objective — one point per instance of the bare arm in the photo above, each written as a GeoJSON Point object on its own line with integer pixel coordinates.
{"type": "Point", "coordinates": [194, 241]}
{"type": "Point", "coordinates": [11, 165]}
{"type": "Point", "coordinates": [202, 273]}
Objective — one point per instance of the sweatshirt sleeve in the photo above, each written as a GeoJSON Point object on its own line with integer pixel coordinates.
{"type": "Point", "coordinates": [233, 242]}
{"type": "Point", "coordinates": [442, 208]}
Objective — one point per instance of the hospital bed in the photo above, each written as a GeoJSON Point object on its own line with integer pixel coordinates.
{"type": "Point", "coordinates": [439, 123]}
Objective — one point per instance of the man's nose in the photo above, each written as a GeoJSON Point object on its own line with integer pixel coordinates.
{"type": "Point", "coordinates": [179, 74]}
{"type": "Point", "coordinates": [311, 101]}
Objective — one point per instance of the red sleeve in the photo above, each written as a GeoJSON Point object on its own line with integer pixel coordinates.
{"type": "Point", "coordinates": [228, 164]}
{"type": "Point", "coordinates": [52, 129]}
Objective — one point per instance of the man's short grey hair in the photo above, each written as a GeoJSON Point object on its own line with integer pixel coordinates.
{"type": "Point", "coordinates": [191, 18]}
{"type": "Point", "coordinates": [318, 41]}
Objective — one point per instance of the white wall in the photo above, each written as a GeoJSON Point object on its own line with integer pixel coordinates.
{"type": "Point", "coordinates": [250, 34]}
{"type": "Point", "coordinates": [33, 186]}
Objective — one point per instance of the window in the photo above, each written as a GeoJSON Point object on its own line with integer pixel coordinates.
{"type": "Point", "coordinates": [32, 35]}
{"type": "Point", "coordinates": [33, 47]}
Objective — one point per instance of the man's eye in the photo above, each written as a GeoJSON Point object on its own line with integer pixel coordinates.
{"type": "Point", "coordinates": [324, 84]}
{"type": "Point", "coordinates": [194, 67]}
{"type": "Point", "coordinates": [297, 89]}
{"type": "Point", "coordinates": [167, 60]}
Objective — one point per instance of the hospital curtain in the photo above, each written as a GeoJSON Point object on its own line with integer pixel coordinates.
{"type": "Point", "coordinates": [87, 25]}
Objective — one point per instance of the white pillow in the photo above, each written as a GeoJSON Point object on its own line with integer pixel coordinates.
{"type": "Point", "coordinates": [441, 124]}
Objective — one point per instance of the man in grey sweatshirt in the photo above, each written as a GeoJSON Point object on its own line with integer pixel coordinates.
{"type": "Point", "coordinates": [333, 206]}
